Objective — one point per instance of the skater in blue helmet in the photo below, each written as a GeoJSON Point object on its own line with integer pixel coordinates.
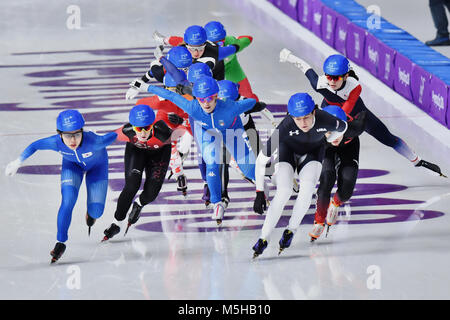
{"type": "Point", "coordinates": [83, 152]}
{"type": "Point", "coordinates": [215, 122]}
{"type": "Point", "coordinates": [340, 86]}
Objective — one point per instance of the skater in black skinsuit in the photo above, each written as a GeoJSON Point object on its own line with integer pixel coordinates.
{"type": "Point", "coordinates": [340, 86]}
{"type": "Point", "coordinates": [148, 149]}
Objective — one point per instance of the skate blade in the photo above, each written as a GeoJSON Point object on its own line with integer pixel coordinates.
{"type": "Point", "coordinates": [255, 255]}
{"type": "Point", "coordinates": [442, 175]}
{"type": "Point", "coordinates": [219, 222]}
{"type": "Point", "coordinates": [313, 239]}
{"type": "Point", "coordinates": [105, 238]}
{"type": "Point", "coordinates": [89, 231]}
{"type": "Point", "coordinates": [280, 251]}
{"type": "Point", "coordinates": [128, 226]}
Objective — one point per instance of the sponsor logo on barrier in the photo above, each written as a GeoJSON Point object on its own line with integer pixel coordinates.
{"type": "Point", "coordinates": [329, 27]}
{"type": "Point", "coordinates": [373, 54]}
{"type": "Point", "coordinates": [422, 87]}
{"type": "Point", "coordinates": [404, 76]}
{"type": "Point", "coordinates": [438, 100]}
{"type": "Point", "coordinates": [317, 17]}
{"type": "Point", "coordinates": [342, 34]}
{"type": "Point", "coordinates": [357, 44]}
{"type": "Point", "coordinates": [387, 66]}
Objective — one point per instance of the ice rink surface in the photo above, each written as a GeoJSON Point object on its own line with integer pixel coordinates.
{"type": "Point", "coordinates": [392, 239]}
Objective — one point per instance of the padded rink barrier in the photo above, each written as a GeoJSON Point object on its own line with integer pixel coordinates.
{"type": "Point", "coordinates": [409, 67]}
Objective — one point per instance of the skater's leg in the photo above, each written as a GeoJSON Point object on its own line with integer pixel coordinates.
{"type": "Point", "coordinates": [285, 172]}
{"type": "Point", "coordinates": [71, 178]}
{"type": "Point", "coordinates": [155, 173]}
{"type": "Point", "coordinates": [97, 188]}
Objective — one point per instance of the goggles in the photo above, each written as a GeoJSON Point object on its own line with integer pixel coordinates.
{"type": "Point", "coordinates": [140, 129]}
{"type": "Point", "coordinates": [334, 78]}
{"type": "Point", "coordinates": [196, 48]}
{"type": "Point", "coordinates": [76, 135]}
{"type": "Point", "coordinates": [207, 99]}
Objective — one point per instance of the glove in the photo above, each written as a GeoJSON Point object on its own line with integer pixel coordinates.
{"type": "Point", "coordinates": [12, 167]}
{"type": "Point", "coordinates": [158, 37]}
{"type": "Point", "coordinates": [175, 119]}
{"type": "Point", "coordinates": [158, 52]}
{"type": "Point", "coordinates": [284, 54]}
{"type": "Point", "coordinates": [287, 56]}
{"type": "Point", "coordinates": [357, 125]}
{"type": "Point", "coordinates": [137, 86]}
{"type": "Point", "coordinates": [131, 93]}
{"type": "Point", "coordinates": [260, 203]}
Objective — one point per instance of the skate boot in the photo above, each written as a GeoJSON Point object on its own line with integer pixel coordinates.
{"type": "Point", "coordinates": [431, 166]}
{"type": "Point", "coordinates": [111, 232]}
{"type": "Point", "coordinates": [58, 251]}
{"type": "Point", "coordinates": [90, 222]}
{"type": "Point", "coordinates": [316, 231]}
{"type": "Point", "coordinates": [182, 185]}
{"type": "Point", "coordinates": [259, 247]}
{"type": "Point", "coordinates": [206, 196]}
{"type": "Point", "coordinates": [285, 240]}
{"type": "Point", "coordinates": [225, 199]}
{"type": "Point", "coordinates": [134, 215]}
{"type": "Point", "coordinates": [218, 212]}
{"type": "Point", "coordinates": [332, 215]}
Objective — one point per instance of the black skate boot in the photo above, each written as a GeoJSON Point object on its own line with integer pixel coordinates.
{"type": "Point", "coordinates": [285, 240]}
{"type": "Point", "coordinates": [57, 252]}
{"type": "Point", "coordinates": [111, 232]}
{"type": "Point", "coordinates": [431, 166]}
{"type": "Point", "coordinates": [182, 185]}
{"type": "Point", "coordinates": [90, 222]}
{"type": "Point", "coordinates": [225, 199]}
{"type": "Point", "coordinates": [206, 195]}
{"type": "Point", "coordinates": [259, 247]}
{"type": "Point", "coordinates": [134, 215]}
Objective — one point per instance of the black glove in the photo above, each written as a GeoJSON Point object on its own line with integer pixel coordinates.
{"type": "Point", "coordinates": [175, 119]}
{"type": "Point", "coordinates": [260, 203]}
{"type": "Point", "coordinates": [259, 106]}
{"type": "Point", "coordinates": [356, 126]}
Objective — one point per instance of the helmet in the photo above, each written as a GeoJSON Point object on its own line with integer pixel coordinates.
{"type": "Point", "coordinates": [336, 111]}
{"type": "Point", "coordinates": [300, 104]}
{"type": "Point", "coordinates": [69, 120]}
{"type": "Point", "coordinates": [228, 90]}
{"type": "Point", "coordinates": [141, 115]}
{"type": "Point", "coordinates": [205, 87]}
{"type": "Point", "coordinates": [180, 57]}
{"type": "Point", "coordinates": [197, 70]}
{"type": "Point", "coordinates": [195, 35]}
{"type": "Point", "coordinates": [215, 31]}
{"type": "Point", "coordinates": [336, 65]}
{"type": "Point", "coordinates": [169, 81]}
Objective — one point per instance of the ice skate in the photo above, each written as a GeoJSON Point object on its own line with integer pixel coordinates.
{"type": "Point", "coordinates": [111, 232]}
{"type": "Point", "coordinates": [58, 251]}
{"type": "Point", "coordinates": [134, 216]}
{"type": "Point", "coordinates": [431, 166]}
{"type": "Point", "coordinates": [218, 212]}
{"type": "Point", "coordinates": [182, 185]}
{"type": "Point", "coordinates": [90, 222]}
{"type": "Point", "coordinates": [316, 231]}
{"type": "Point", "coordinates": [225, 199]}
{"type": "Point", "coordinates": [206, 196]}
{"type": "Point", "coordinates": [259, 247]}
{"type": "Point", "coordinates": [285, 240]}
{"type": "Point", "coordinates": [295, 186]}
{"type": "Point", "coordinates": [332, 215]}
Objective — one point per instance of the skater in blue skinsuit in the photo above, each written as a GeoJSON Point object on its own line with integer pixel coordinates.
{"type": "Point", "coordinates": [215, 122]}
{"type": "Point", "coordinates": [83, 152]}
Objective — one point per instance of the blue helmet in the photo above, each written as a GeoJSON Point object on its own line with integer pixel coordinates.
{"type": "Point", "coordinates": [300, 104]}
{"type": "Point", "coordinates": [336, 111]}
{"type": "Point", "coordinates": [180, 57]}
{"type": "Point", "coordinates": [205, 87]}
{"type": "Point", "coordinates": [69, 120]}
{"type": "Point", "coordinates": [228, 90]}
{"type": "Point", "coordinates": [141, 115]}
{"type": "Point", "coordinates": [197, 70]}
{"type": "Point", "coordinates": [169, 81]}
{"type": "Point", "coordinates": [336, 65]}
{"type": "Point", "coordinates": [215, 31]}
{"type": "Point", "coordinates": [195, 35]}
